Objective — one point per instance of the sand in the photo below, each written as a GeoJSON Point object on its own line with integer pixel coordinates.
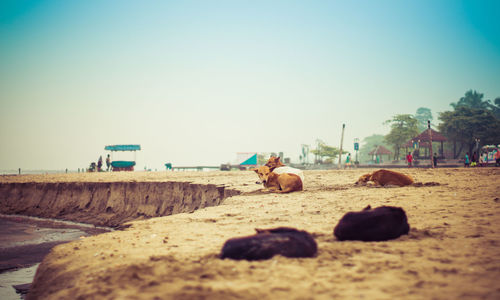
{"type": "Point", "coordinates": [451, 252]}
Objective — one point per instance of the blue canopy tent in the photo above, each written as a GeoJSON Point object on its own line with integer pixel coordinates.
{"type": "Point", "coordinates": [123, 165]}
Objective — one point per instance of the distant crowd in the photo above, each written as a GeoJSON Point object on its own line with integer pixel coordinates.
{"type": "Point", "coordinates": [481, 160]}
{"type": "Point", "coordinates": [476, 160]}
{"type": "Point", "coordinates": [97, 167]}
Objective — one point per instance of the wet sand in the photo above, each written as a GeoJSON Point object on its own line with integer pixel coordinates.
{"type": "Point", "coordinates": [451, 252]}
{"type": "Point", "coordinates": [24, 242]}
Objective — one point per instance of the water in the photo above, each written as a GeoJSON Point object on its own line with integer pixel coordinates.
{"type": "Point", "coordinates": [24, 241]}
{"type": "Point", "coordinates": [34, 172]}
{"type": "Point", "coordinates": [10, 278]}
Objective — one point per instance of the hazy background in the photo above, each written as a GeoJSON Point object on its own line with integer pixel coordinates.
{"type": "Point", "coordinates": [194, 82]}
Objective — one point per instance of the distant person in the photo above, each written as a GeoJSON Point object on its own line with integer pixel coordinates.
{"type": "Point", "coordinates": [108, 163]}
{"type": "Point", "coordinates": [348, 161]}
{"type": "Point", "coordinates": [466, 160]}
{"type": "Point", "coordinates": [435, 160]}
{"type": "Point", "coordinates": [99, 164]}
{"type": "Point", "coordinates": [474, 159]}
{"type": "Point", "coordinates": [482, 160]}
{"type": "Point", "coordinates": [497, 158]}
{"type": "Point", "coordinates": [409, 159]}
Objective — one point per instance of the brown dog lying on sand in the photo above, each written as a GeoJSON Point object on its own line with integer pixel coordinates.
{"type": "Point", "coordinates": [274, 162]}
{"type": "Point", "coordinates": [386, 177]}
{"type": "Point", "coordinates": [276, 166]}
{"type": "Point", "coordinates": [279, 183]}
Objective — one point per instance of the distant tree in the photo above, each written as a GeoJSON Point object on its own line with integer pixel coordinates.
{"type": "Point", "coordinates": [324, 151]}
{"type": "Point", "coordinates": [496, 107]}
{"type": "Point", "coordinates": [472, 99]}
{"type": "Point", "coordinates": [403, 128]}
{"type": "Point", "coordinates": [465, 124]}
{"type": "Point", "coordinates": [262, 158]}
{"type": "Point", "coordinates": [369, 143]}
{"type": "Point", "coordinates": [304, 157]}
{"type": "Point", "coordinates": [423, 115]}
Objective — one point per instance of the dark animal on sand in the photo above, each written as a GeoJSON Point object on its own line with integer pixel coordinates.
{"type": "Point", "coordinates": [284, 241]}
{"type": "Point", "coordinates": [379, 224]}
{"type": "Point", "coordinates": [386, 177]}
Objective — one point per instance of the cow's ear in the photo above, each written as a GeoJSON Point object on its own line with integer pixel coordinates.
{"type": "Point", "coordinates": [367, 208]}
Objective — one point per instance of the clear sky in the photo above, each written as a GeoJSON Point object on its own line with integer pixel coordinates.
{"type": "Point", "coordinates": [195, 82]}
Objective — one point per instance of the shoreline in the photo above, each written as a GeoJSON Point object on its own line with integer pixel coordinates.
{"type": "Point", "coordinates": [25, 241]}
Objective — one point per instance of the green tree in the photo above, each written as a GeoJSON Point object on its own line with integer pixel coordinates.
{"type": "Point", "coordinates": [262, 158]}
{"type": "Point", "coordinates": [324, 151]}
{"type": "Point", "coordinates": [472, 99]}
{"type": "Point", "coordinates": [423, 115]}
{"type": "Point", "coordinates": [403, 128]}
{"type": "Point", "coordinates": [370, 143]}
{"type": "Point", "coordinates": [466, 124]}
{"type": "Point", "coordinates": [496, 107]}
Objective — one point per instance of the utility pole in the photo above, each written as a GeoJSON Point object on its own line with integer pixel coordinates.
{"type": "Point", "coordinates": [341, 144]}
{"type": "Point", "coordinates": [430, 142]}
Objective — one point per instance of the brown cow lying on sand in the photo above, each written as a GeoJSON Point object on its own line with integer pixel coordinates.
{"type": "Point", "coordinates": [379, 224]}
{"type": "Point", "coordinates": [285, 241]}
{"type": "Point", "coordinates": [386, 177]}
{"type": "Point", "coordinates": [279, 183]}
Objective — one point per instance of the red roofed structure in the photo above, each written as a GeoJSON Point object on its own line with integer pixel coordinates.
{"type": "Point", "coordinates": [379, 151]}
{"type": "Point", "coordinates": [421, 141]}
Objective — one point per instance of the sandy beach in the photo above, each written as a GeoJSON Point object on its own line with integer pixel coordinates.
{"type": "Point", "coordinates": [451, 252]}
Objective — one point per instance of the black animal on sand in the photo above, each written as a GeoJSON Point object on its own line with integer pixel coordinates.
{"type": "Point", "coordinates": [284, 241]}
{"type": "Point", "coordinates": [379, 224]}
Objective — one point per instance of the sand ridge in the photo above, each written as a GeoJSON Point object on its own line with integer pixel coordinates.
{"type": "Point", "coordinates": [451, 252]}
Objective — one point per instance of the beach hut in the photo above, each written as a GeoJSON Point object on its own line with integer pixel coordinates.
{"type": "Point", "coordinates": [421, 141]}
{"type": "Point", "coordinates": [123, 165]}
{"type": "Point", "coordinates": [377, 153]}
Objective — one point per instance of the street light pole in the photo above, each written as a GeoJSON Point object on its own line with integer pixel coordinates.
{"type": "Point", "coordinates": [430, 143]}
{"type": "Point", "coordinates": [341, 144]}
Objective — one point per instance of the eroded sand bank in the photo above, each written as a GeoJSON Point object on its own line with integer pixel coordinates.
{"type": "Point", "coordinates": [452, 251]}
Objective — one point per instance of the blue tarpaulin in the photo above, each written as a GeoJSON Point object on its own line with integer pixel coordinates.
{"type": "Point", "coordinates": [122, 164]}
{"type": "Point", "coordinates": [123, 147]}
{"type": "Point", "coordinates": [252, 160]}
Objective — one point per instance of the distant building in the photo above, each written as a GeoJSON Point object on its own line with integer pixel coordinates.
{"type": "Point", "coordinates": [421, 147]}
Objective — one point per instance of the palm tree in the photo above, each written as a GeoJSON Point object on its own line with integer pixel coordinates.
{"type": "Point", "coordinates": [472, 99]}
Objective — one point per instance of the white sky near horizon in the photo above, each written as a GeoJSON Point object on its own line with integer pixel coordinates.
{"type": "Point", "coordinates": [195, 82]}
